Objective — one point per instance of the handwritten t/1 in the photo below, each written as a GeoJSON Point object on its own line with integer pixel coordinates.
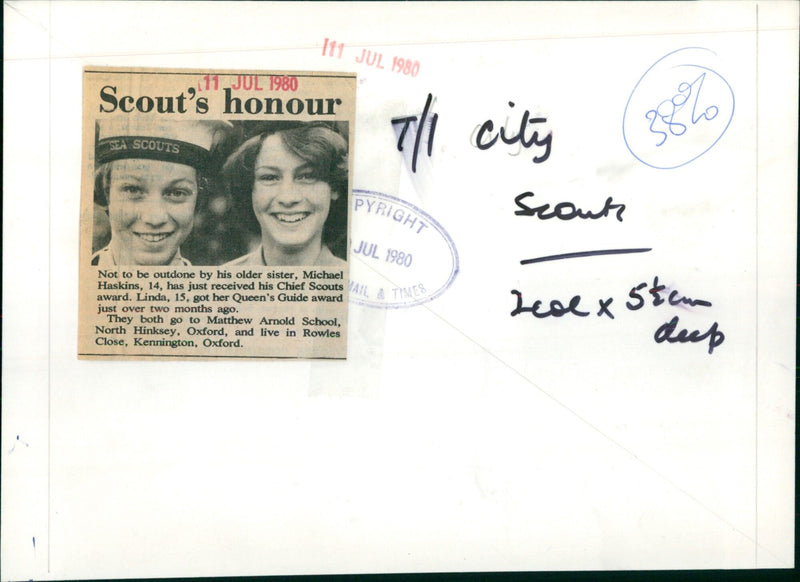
{"type": "Point", "coordinates": [407, 120]}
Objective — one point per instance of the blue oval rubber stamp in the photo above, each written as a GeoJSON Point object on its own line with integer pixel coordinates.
{"type": "Point", "coordinates": [678, 110]}
{"type": "Point", "coordinates": [400, 256]}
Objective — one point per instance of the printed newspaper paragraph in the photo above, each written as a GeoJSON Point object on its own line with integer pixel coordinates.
{"type": "Point", "coordinates": [215, 214]}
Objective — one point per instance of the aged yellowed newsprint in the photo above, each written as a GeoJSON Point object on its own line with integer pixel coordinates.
{"type": "Point", "coordinates": [215, 213]}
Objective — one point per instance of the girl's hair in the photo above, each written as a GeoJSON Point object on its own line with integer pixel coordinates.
{"type": "Point", "coordinates": [316, 143]}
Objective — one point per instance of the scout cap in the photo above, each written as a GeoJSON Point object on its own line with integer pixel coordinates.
{"type": "Point", "coordinates": [179, 141]}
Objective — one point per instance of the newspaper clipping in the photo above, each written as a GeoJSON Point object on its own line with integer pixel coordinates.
{"type": "Point", "coordinates": [215, 213]}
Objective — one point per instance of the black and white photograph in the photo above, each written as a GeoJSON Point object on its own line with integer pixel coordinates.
{"type": "Point", "coordinates": [275, 193]}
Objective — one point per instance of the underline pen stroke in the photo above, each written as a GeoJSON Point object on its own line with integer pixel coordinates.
{"type": "Point", "coordinates": [583, 254]}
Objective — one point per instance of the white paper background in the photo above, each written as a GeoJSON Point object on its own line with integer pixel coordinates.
{"type": "Point", "coordinates": [454, 437]}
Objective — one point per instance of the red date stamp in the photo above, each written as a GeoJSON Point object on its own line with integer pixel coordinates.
{"type": "Point", "coordinates": [208, 83]}
{"type": "Point", "coordinates": [371, 58]}
{"type": "Point", "coordinates": [283, 84]}
{"type": "Point", "coordinates": [250, 83]}
{"type": "Point", "coordinates": [405, 66]}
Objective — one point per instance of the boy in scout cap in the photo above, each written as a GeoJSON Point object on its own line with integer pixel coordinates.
{"type": "Point", "coordinates": [146, 177]}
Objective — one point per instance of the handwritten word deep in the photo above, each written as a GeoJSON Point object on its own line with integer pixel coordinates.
{"type": "Point", "coordinates": [484, 139]}
{"type": "Point", "coordinates": [668, 332]}
{"type": "Point", "coordinates": [664, 334]}
{"type": "Point", "coordinates": [420, 126]}
{"type": "Point", "coordinates": [565, 210]}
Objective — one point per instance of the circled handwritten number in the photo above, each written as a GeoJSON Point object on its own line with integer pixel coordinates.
{"type": "Point", "coordinates": [653, 130]}
{"type": "Point", "coordinates": [667, 109]}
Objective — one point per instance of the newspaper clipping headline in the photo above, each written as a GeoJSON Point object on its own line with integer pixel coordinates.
{"type": "Point", "coordinates": [215, 214]}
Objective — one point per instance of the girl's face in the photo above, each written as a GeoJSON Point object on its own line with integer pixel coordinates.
{"type": "Point", "coordinates": [151, 208]}
{"type": "Point", "coordinates": [290, 201]}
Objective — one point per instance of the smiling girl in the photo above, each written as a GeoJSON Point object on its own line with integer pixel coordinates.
{"type": "Point", "coordinates": [292, 178]}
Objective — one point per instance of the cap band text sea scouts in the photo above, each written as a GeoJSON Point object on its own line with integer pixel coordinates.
{"type": "Point", "coordinates": [150, 148]}
{"type": "Point", "coordinates": [182, 142]}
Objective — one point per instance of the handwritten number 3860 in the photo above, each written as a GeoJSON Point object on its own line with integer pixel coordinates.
{"type": "Point", "coordinates": [668, 108]}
